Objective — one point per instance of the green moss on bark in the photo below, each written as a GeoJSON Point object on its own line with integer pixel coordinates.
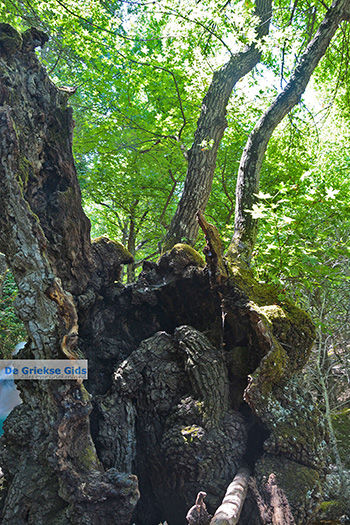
{"type": "Point", "coordinates": [341, 425]}
{"type": "Point", "coordinates": [330, 513]}
{"type": "Point", "coordinates": [121, 253]}
{"type": "Point", "coordinates": [291, 325]}
{"type": "Point", "coordinates": [190, 253]}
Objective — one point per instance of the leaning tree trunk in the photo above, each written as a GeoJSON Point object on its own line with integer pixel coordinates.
{"type": "Point", "coordinates": [211, 125]}
{"type": "Point", "coordinates": [253, 155]}
{"type": "Point", "coordinates": [193, 369]}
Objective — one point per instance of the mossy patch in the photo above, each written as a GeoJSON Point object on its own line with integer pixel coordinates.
{"type": "Point", "coordinates": [191, 433]}
{"type": "Point", "coordinates": [291, 325]}
{"type": "Point", "coordinates": [88, 458]}
{"type": "Point", "coordinates": [341, 425]}
{"type": "Point", "coordinates": [119, 251]}
{"type": "Point", "coordinates": [330, 512]}
{"type": "Point", "coordinates": [276, 305]}
{"type": "Point", "coordinates": [272, 368]}
{"type": "Point", "coordinates": [261, 294]}
{"type": "Point", "coordinates": [85, 396]}
{"type": "Point", "coordinates": [24, 170]}
{"type": "Point", "coordinates": [190, 253]}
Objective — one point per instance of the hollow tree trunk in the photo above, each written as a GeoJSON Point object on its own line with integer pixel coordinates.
{"type": "Point", "coordinates": [210, 129]}
{"type": "Point", "coordinates": [253, 155]}
{"type": "Point", "coordinates": [193, 369]}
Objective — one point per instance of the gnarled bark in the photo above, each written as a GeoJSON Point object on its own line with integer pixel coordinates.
{"type": "Point", "coordinates": [49, 460]}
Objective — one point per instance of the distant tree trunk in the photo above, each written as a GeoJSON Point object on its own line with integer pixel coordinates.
{"type": "Point", "coordinates": [3, 265]}
{"type": "Point", "coordinates": [131, 242]}
{"type": "Point", "coordinates": [3, 271]}
{"type": "Point", "coordinates": [249, 170]}
{"type": "Point", "coordinates": [132, 249]}
{"type": "Point", "coordinates": [210, 129]}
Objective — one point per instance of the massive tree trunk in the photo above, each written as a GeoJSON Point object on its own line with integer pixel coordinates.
{"type": "Point", "coordinates": [193, 369]}
{"type": "Point", "coordinates": [210, 129]}
{"type": "Point", "coordinates": [50, 462]}
{"type": "Point", "coordinates": [253, 155]}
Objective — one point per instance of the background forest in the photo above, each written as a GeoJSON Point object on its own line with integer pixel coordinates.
{"type": "Point", "coordinates": [139, 71]}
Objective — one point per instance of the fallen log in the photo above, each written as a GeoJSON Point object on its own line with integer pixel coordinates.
{"type": "Point", "coordinates": [229, 511]}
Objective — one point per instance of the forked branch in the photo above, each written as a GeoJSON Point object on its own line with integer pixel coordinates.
{"type": "Point", "coordinates": [210, 129]}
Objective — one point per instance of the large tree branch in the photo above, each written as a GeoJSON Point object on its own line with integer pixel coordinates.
{"type": "Point", "coordinates": [210, 129]}
{"type": "Point", "coordinates": [249, 171]}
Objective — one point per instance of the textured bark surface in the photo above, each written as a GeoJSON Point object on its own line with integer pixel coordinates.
{"type": "Point", "coordinates": [178, 431]}
{"type": "Point", "coordinates": [193, 369]}
{"type": "Point", "coordinates": [272, 503]}
{"type": "Point", "coordinates": [48, 457]}
{"type": "Point", "coordinates": [3, 265]}
{"type": "Point", "coordinates": [253, 155]}
{"type": "Point", "coordinates": [3, 270]}
{"type": "Point", "coordinates": [210, 129]}
{"type": "Point", "coordinates": [41, 127]}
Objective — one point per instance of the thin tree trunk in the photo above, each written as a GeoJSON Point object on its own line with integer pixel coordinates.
{"type": "Point", "coordinates": [210, 129]}
{"type": "Point", "coordinates": [3, 271]}
{"type": "Point", "coordinates": [249, 170]}
{"type": "Point", "coordinates": [131, 248]}
{"type": "Point", "coordinates": [322, 378]}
